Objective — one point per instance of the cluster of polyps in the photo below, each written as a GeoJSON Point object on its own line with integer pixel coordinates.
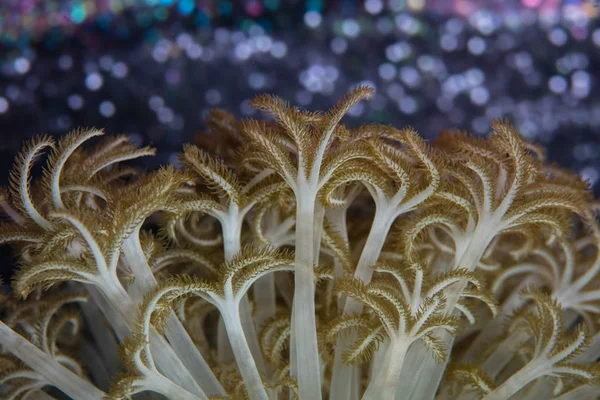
{"type": "Point", "coordinates": [296, 257]}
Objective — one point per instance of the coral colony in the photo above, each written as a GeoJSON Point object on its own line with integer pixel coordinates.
{"type": "Point", "coordinates": [295, 257]}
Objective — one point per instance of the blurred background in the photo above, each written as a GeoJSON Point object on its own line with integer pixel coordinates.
{"type": "Point", "coordinates": [153, 68]}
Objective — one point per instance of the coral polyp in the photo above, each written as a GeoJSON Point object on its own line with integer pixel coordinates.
{"type": "Point", "coordinates": [295, 257]}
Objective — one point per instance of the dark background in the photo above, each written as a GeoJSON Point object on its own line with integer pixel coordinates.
{"type": "Point", "coordinates": [152, 68]}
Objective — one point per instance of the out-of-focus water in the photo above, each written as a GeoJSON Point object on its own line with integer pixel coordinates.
{"type": "Point", "coordinates": [153, 68]}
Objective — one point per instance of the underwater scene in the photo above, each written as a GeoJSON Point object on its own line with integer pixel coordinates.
{"type": "Point", "coordinates": [300, 199]}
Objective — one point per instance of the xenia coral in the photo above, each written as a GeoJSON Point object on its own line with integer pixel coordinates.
{"type": "Point", "coordinates": [294, 257]}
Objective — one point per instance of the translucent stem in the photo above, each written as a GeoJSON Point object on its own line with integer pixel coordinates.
{"type": "Point", "coordinates": [265, 298]}
{"type": "Point", "coordinates": [308, 366]}
{"type": "Point", "coordinates": [200, 369]}
{"type": "Point", "coordinates": [243, 356]}
{"type": "Point", "coordinates": [422, 380]}
{"type": "Point", "coordinates": [182, 344]}
{"type": "Point", "coordinates": [494, 327]}
{"type": "Point", "coordinates": [530, 372]}
{"type": "Point", "coordinates": [382, 222]}
{"type": "Point", "coordinates": [232, 231]}
{"type": "Point", "coordinates": [159, 384]}
{"type": "Point", "coordinates": [224, 353]}
{"type": "Point", "coordinates": [172, 366]}
{"type": "Point", "coordinates": [503, 353]}
{"type": "Point", "coordinates": [583, 392]}
{"type": "Point", "coordinates": [57, 375]}
{"type": "Point", "coordinates": [116, 317]}
{"type": "Point", "coordinates": [383, 385]}
{"type": "Point", "coordinates": [342, 373]}
{"type": "Point", "coordinates": [542, 388]}
{"type": "Point", "coordinates": [117, 307]}
{"type": "Point", "coordinates": [103, 337]}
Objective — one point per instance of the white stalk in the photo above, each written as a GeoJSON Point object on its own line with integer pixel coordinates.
{"type": "Point", "coordinates": [171, 366]}
{"type": "Point", "coordinates": [377, 359]}
{"type": "Point", "coordinates": [103, 337]}
{"type": "Point", "coordinates": [182, 344]}
{"type": "Point", "coordinates": [383, 385]}
{"type": "Point", "coordinates": [382, 223]}
{"type": "Point", "coordinates": [342, 373]}
{"type": "Point", "coordinates": [583, 392]}
{"type": "Point", "coordinates": [423, 379]}
{"type": "Point", "coordinates": [104, 299]}
{"type": "Point", "coordinates": [308, 366]}
{"type": "Point", "coordinates": [542, 388]}
{"type": "Point", "coordinates": [159, 384]}
{"type": "Point", "coordinates": [224, 353]}
{"type": "Point", "coordinates": [264, 290]}
{"type": "Point", "coordinates": [503, 353]}
{"type": "Point", "coordinates": [293, 358]}
{"type": "Point", "coordinates": [479, 241]}
{"type": "Point", "coordinates": [265, 298]}
{"type": "Point", "coordinates": [167, 360]}
{"type": "Point", "coordinates": [231, 225]}
{"type": "Point", "coordinates": [57, 375]}
{"type": "Point", "coordinates": [199, 369]}
{"type": "Point", "coordinates": [494, 327]}
{"type": "Point", "coordinates": [241, 351]}
{"type": "Point", "coordinates": [530, 372]}
{"type": "Point", "coordinates": [232, 230]}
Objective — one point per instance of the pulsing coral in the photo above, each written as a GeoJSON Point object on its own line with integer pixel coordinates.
{"type": "Point", "coordinates": [296, 257]}
{"type": "Point", "coordinates": [404, 310]}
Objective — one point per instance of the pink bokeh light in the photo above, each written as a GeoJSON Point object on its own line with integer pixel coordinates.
{"type": "Point", "coordinates": [532, 3]}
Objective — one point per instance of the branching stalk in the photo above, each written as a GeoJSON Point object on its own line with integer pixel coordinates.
{"type": "Point", "coordinates": [243, 356]}
{"type": "Point", "coordinates": [47, 367]}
